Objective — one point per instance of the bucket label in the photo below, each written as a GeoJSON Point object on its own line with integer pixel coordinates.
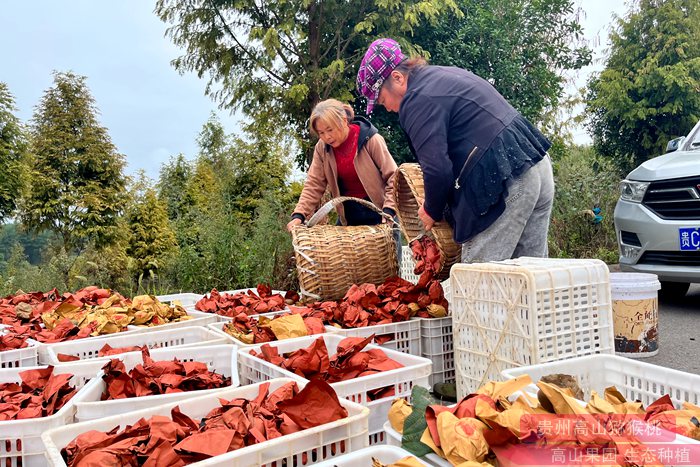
{"type": "Point", "coordinates": [635, 324]}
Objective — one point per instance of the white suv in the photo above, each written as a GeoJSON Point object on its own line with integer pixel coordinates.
{"type": "Point", "coordinates": [657, 218]}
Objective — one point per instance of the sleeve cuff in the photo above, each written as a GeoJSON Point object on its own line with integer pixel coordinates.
{"type": "Point", "coordinates": [389, 211]}
{"type": "Point", "coordinates": [437, 217]}
{"type": "Point", "coordinates": [299, 216]}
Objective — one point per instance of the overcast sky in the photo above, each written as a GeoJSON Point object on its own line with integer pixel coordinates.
{"type": "Point", "coordinates": [150, 111]}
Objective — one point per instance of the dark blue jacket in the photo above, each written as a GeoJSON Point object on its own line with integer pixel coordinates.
{"type": "Point", "coordinates": [451, 115]}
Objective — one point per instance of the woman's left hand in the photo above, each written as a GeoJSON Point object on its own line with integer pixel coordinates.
{"type": "Point", "coordinates": [425, 218]}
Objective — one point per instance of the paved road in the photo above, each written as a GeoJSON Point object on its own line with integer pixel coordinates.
{"type": "Point", "coordinates": [679, 333]}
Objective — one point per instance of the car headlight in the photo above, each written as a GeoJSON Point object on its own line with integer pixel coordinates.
{"type": "Point", "coordinates": [633, 191]}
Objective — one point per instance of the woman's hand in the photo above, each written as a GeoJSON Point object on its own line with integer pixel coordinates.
{"type": "Point", "coordinates": [425, 218]}
{"type": "Point", "coordinates": [293, 223]}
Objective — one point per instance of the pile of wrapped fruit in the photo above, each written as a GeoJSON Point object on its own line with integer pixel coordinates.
{"type": "Point", "coordinates": [50, 317]}
{"type": "Point", "coordinates": [179, 440]}
{"type": "Point", "coordinates": [246, 302]}
{"type": "Point", "coordinates": [257, 330]}
{"type": "Point", "coordinates": [349, 362]}
{"type": "Point", "coordinates": [40, 393]}
{"type": "Point", "coordinates": [487, 428]}
{"type": "Point", "coordinates": [363, 305]}
{"type": "Point", "coordinates": [158, 377]}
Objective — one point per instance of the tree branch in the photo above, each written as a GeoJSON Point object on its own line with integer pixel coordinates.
{"type": "Point", "coordinates": [338, 32]}
{"type": "Point", "coordinates": [243, 48]}
{"type": "Point", "coordinates": [266, 24]}
{"type": "Point", "coordinates": [348, 40]}
{"type": "Point", "coordinates": [294, 49]}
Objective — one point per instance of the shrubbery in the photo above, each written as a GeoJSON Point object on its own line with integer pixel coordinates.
{"type": "Point", "coordinates": [584, 181]}
{"type": "Point", "coordinates": [219, 247]}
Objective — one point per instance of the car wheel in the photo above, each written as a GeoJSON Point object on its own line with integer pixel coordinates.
{"type": "Point", "coordinates": [673, 290]}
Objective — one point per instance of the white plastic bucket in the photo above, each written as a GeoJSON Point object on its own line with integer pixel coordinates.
{"type": "Point", "coordinates": [635, 301]}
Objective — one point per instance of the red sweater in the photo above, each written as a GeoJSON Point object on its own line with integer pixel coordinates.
{"type": "Point", "coordinates": [348, 181]}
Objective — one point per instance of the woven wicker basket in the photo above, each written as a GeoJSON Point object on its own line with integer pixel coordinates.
{"type": "Point", "coordinates": [410, 194]}
{"type": "Point", "coordinates": [330, 258]}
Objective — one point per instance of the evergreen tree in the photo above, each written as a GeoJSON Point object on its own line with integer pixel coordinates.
{"type": "Point", "coordinates": [648, 92]}
{"type": "Point", "coordinates": [77, 180]}
{"type": "Point", "coordinates": [13, 155]}
{"type": "Point", "coordinates": [259, 165]}
{"type": "Point", "coordinates": [172, 186]}
{"type": "Point", "coordinates": [275, 60]}
{"type": "Point", "coordinates": [151, 238]}
{"type": "Point", "coordinates": [213, 143]}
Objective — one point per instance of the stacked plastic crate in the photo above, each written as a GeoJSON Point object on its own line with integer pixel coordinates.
{"type": "Point", "coordinates": [435, 333]}
{"type": "Point", "coordinates": [527, 311]}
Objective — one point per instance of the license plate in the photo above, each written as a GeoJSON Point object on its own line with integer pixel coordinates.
{"type": "Point", "coordinates": [689, 238]}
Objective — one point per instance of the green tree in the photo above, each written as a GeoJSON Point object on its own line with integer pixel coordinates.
{"type": "Point", "coordinates": [276, 60]}
{"type": "Point", "coordinates": [212, 166]}
{"type": "Point", "coordinates": [13, 155]}
{"type": "Point", "coordinates": [649, 91]}
{"type": "Point", "coordinates": [34, 244]}
{"type": "Point", "coordinates": [522, 47]}
{"type": "Point", "coordinates": [151, 238]}
{"type": "Point", "coordinates": [172, 186]}
{"type": "Point", "coordinates": [213, 143]}
{"type": "Point", "coordinates": [230, 208]}
{"type": "Point", "coordinates": [205, 185]}
{"type": "Point", "coordinates": [77, 181]}
{"type": "Point", "coordinates": [259, 164]}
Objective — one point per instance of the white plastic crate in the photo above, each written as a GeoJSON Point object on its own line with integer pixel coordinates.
{"type": "Point", "coordinates": [299, 449]}
{"type": "Point", "coordinates": [218, 328]}
{"type": "Point", "coordinates": [635, 379]}
{"type": "Point", "coordinates": [436, 333]}
{"type": "Point", "coordinates": [28, 356]}
{"type": "Point", "coordinates": [363, 458]}
{"type": "Point", "coordinates": [437, 343]}
{"type": "Point", "coordinates": [393, 438]}
{"type": "Point", "coordinates": [192, 336]}
{"type": "Point", "coordinates": [199, 318]}
{"type": "Point", "coordinates": [219, 358]}
{"type": "Point", "coordinates": [233, 292]}
{"type": "Point", "coordinates": [527, 311]}
{"type": "Point", "coordinates": [416, 372]}
{"type": "Point", "coordinates": [405, 335]}
{"type": "Point", "coordinates": [437, 346]}
{"type": "Point", "coordinates": [187, 300]}
{"type": "Point", "coordinates": [43, 349]}
{"type": "Point", "coordinates": [407, 265]}
{"type": "Point", "coordinates": [20, 440]}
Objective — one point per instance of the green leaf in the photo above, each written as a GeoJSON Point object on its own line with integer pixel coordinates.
{"type": "Point", "coordinates": [415, 424]}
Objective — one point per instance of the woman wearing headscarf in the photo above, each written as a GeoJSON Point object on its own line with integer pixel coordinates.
{"type": "Point", "coordinates": [485, 167]}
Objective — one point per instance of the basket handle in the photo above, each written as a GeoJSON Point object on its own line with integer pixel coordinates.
{"type": "Point", "coordinates": [324, 210]}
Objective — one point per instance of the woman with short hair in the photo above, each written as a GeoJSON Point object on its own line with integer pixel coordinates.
{"type": "Point", "coordinates": [350, 159]}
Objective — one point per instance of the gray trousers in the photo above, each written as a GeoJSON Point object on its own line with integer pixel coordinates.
{"type": "Point", "coordinates": [522, 228]}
